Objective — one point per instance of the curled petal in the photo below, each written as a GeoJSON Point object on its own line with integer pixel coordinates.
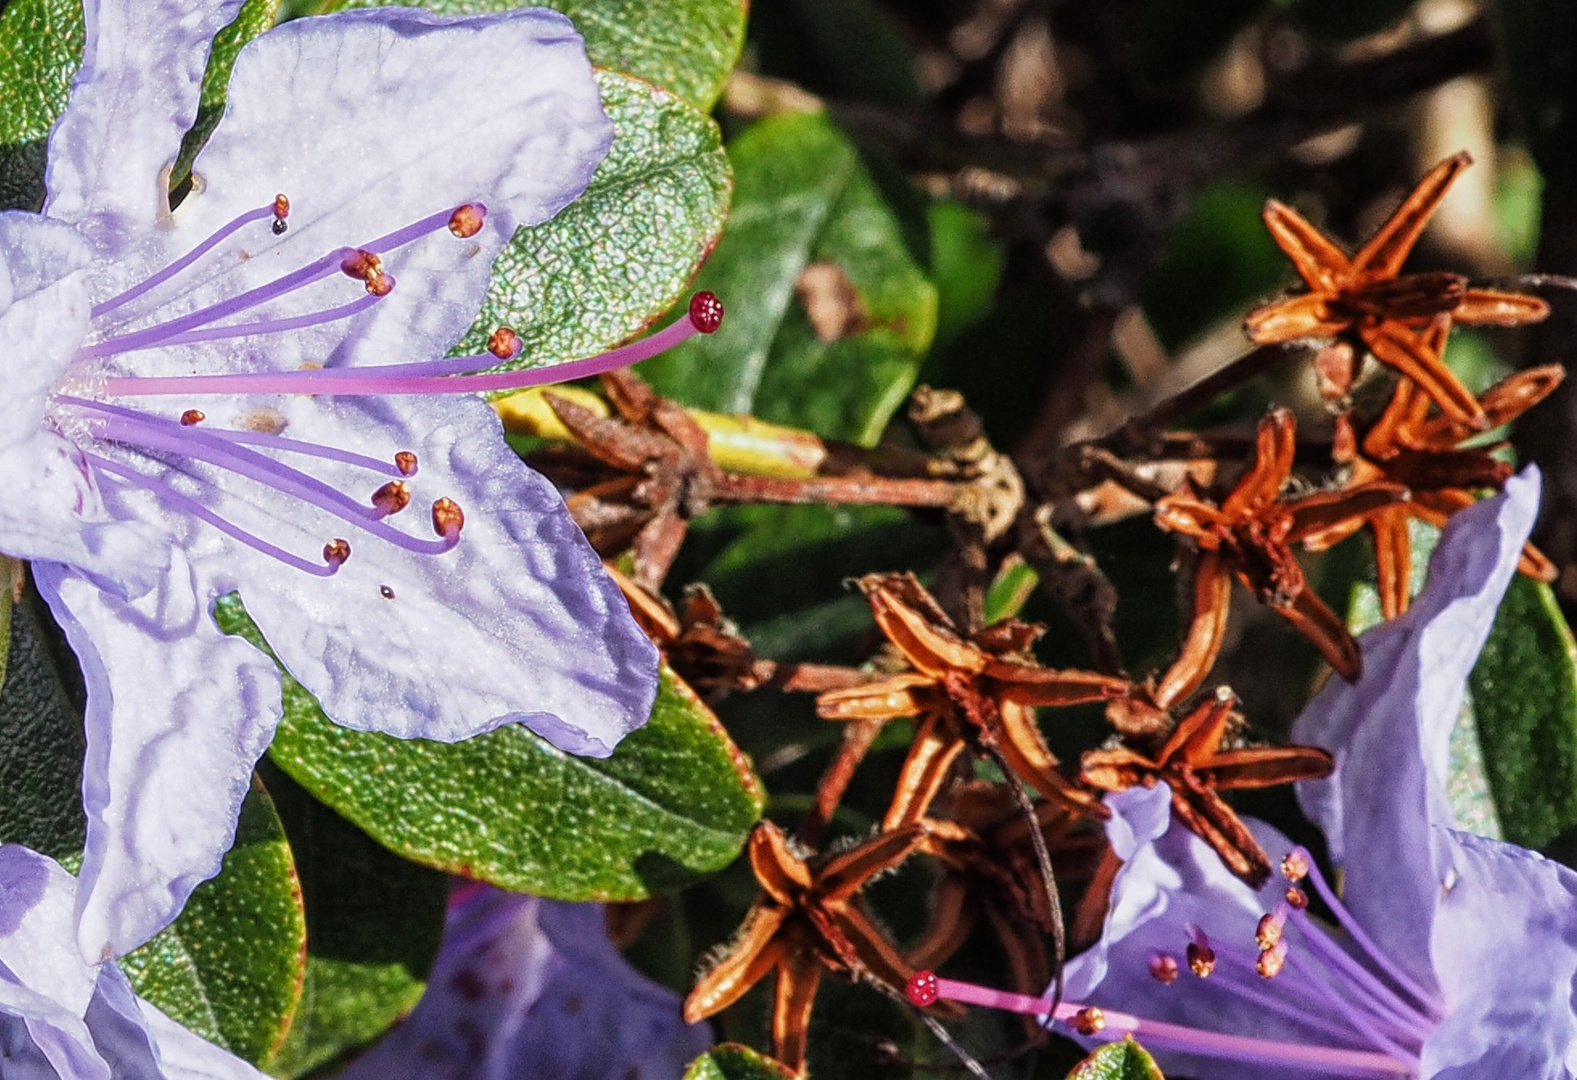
{"type": "Point", "coordinates": [1297, 317]}
{"type": "Point", "coordinates": [1480, 307]}
{"type": "Point", "coordinates": [755, 950]}
{"type": "Point", "coordinates": [846, 873]}
{"type": "Point", "coordinates": [1396, 346]}
{"type": "Point", "coordinates": [1212, 602]}
{"type": "Point", "coordinates": [1116, 770]}
{"type": "Point", "coordinates": [798, 977]}
{"type": "Point", "coordinates": [929, 648]}
{"type": "Point", "coordinates": [1388, 249]}
{"type": "Point", "coordinates": [924, 772]}
{"type": "Point", "coordinates": [1315, 512]}
{"type": "Point", "coordinates": [1319, 262]}
{"type": "Point", "coordinates": [1268, 766]}
{"type": "Point", "coordinates": [1393, 561]}
{"type": "Point", "coordinates": [1320, 625]}
{"type": "Point", "coordinates": [1275, 443]}
{"type": "Point", "coordinates": [1028, 685]}
{"type": "Point", "coordinates": [781, 872]}
{"type": "Point", "coordinates": [901, 695]}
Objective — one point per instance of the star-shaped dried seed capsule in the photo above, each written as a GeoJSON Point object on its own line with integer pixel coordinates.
{"type": "Point", "coordinates": [805, 922]}
{"type": "Point", "coordinates": [977, 693]}
{"type": "Point", "coordinates": [702, 646]}
{"type": "Point", "coordinates": [1250, 536]}
{"type": "Point", "coordinates": [1409, 446]}
{"type": "Point", "coordinates": [990, 871]}
{"type": "Point", "coordinates": [1365, 301]}
{"type": "Point", "coordinates": [1196, 768]}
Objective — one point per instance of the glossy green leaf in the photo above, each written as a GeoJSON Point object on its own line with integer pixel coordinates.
{"type": "Point", "coordinates": [230, 967]}
{"type": "Point", "coordinates": [731, 1061]}
{"type": "Point", "coordinates": [41, 739]}
{"type": "Point", "coordinates": [1125, 1060]}
{"type": "Point", "coordinates": [1524, 690]}
{"type": "Point", "coordinates": [623, 253]}
{"type": "Point", "coordinates": [374, 924]}
{"type": "Point", "coordinates": [40, 50]}
{"type": "Point", "coordinates": [685, 46]}
{"type": "Point", "coordinates": [803, 199]}
{"type": "Point", "coordinates": [675, 800]}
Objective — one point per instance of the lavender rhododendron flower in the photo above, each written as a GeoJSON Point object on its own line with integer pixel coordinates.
{"type": "Point", "coordinates": [1455, 956]}
{"type": "Point", "coordinates": [63, 1019]}
{"type": "Point", "coordinates": [203, 401]}
{"type": "Point", "coordinates": [532, 989]}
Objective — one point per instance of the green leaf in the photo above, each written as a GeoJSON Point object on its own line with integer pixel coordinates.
{"type": "Point", "coordinates": [730, 1061]}
{"type": "Point", "coordinates": [621, 254]}
{"type": "Point", "coordinates": [684, 46]}
{"type": "Point", "coordinates": [1125, 1060]}
{"type": "Point", "coordinates": [374, 924]}
{"type": "Point", "coordinates": [1524, 690]}
{"type": "Point", "coordinates": [41, 739]}
{"type": "Point", "coordinates": [966, 264]}
{"type": "Point", "coordinates": [1537, 49]}
{"type": "Point", "coordinates": [675, 800]}
{"type": "Point", "coordinates": [230, 968]}
{"type": "Point", "coordinates": [803, 199]}
{"type": "Point", "coordinates": [40, 50]}
{"type": "Point", "coordinates": [255, 17]}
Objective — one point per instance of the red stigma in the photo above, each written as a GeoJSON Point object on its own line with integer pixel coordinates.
{"type": "Point", "coordinates": [706, 312]}
{"type": "Point", "coordinates": [923, 989]}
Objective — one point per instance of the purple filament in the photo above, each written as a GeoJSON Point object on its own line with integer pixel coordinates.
{"type": "Point", "coordinates": [369, 381]}
{"type": "Point", "coordinates": [1428, 1000]}
{"type": "Point", "coordinates": [267, 326]}
{"type": "Point", "coordinates": [1354, 1013]}
{"type": "Point", "coordinates": [197, 510]}
{"type": "Point", "coordinates": [1344, 967]}
{"type": "Point", "coordinates": [183, 262]}
{"type": "Point", "coordinates": [283, 285]}
{"type": "Point", "coordinates": [201, 446]}
{"type": "Point", "coordinates": [254, 438]}
{"type": "Point", "coordinates": [1226, 977]}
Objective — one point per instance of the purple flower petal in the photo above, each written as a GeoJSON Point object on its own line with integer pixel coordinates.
{"type": "Point", "coordinates": [178, 713]}
{"type": "Point", "coordinates": [1390, 733]}
{"type": "Point", "coordinates": [530, 989]}
{"type": "Point", "coordinates": [1505, 952]}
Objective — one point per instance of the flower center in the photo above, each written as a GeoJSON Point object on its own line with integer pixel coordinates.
{"type": "Point", "coordinates": [1373, 1016]}
{"type": "Point", "coordinates": [255, 453]}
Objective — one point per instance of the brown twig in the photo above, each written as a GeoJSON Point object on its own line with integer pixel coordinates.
{"type": "Point", "coordinates": [862, 490]}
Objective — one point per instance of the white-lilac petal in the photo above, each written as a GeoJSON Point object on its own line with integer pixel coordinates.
{"type": "Point", "coordinates": [518, 623]}
{"type": "Point", "coordinates": [43, 315]}
{"type": "Point", "coordinates": [532, 989]}
{"type": "Point", "coordinates": [133, 99]}
{"type": "Point", "coordinates": [375, 119]}
{"type": "Point", "coordinates": [1505, 953]}
{"type": "Point", "coordinates": [178, 712]}
{"type": "Point", "coordinates": [63, 1019]}
{"type": "Point", "coordinates": [1390, 732]}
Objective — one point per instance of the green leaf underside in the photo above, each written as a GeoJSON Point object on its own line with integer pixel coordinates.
{"type": "Point", "coordinates": [1125, 1060]}
{"type": "Point", "coordinates": [802, 197]}
{"type": "Point", "coordinates": [685, 46]}
{"type": "Point", "coordinates": [41, 744]}
{"type": "Point", "coordinates": [1513, 769]}
{"type": "Point", "coordinates": [1524, 690]}
{"type": "Point", "coordinates": [374, 924]}
{"type": "Point", "coordinates": [731, 1061]}
{"type": "Point", "coordinates": [230, 967]}
{"type": "Point", "coordinates": [623, 253]}
{"type": "Point", "coordinates": [675, 800]}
